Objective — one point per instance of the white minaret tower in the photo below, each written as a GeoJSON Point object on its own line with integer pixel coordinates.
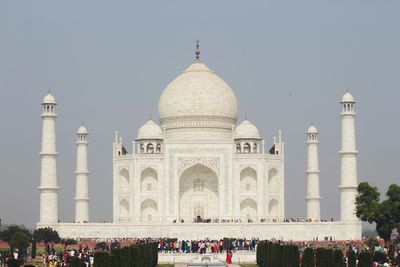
{"type": "Point", "coordinates": [48, 178]}
{"type": "Point", "coordinates": [313, 197]}
{"type": "Point", "coordinates": [348, 155]}
{"type": "Point", "coordinates": [82, 173]}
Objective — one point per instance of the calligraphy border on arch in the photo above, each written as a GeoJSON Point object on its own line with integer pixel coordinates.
{"type": "Point", "coordinates": [185, 163]}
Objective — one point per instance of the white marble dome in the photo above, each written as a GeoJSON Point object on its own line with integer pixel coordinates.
{"type": "Point", "coordinates": [49, 99]}
{"type": "Point", "coordinates": [82, 130]}
{"type": "Point", "coordinates": [246, 130]}
{"type": "Point", "coordinates": [347, 97]}
{"type": "Point", "coordinates": [197, 92]}
{"type": "Point", "coordinates": [150, 130]}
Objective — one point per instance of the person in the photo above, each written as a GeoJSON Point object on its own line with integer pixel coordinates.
{"type": "Point", "coordinates": [229, 256]}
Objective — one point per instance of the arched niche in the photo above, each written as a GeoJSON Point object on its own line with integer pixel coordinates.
{"type": "Point", "coordinates": [248, 210]}
{"type": "Point", "coordinates": [124, 208]}
{"type": "Point", "coordinates": [273, 181]}
{"type": "Point", "coordinates": [248, 180]}
{"type": "Point", "coordinates": [198, 187]}
{"type": "Point", "coordinates": [149, 210]}
{"type": "Point", "coordinates": [273, 208]}
{"type": "Point", "coordinates": [148, 180]}
{"type": "Point", "coordinates": [123, 180]}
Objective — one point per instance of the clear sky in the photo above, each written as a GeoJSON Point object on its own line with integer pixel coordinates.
{"type": "Point", "coordinates": [289, 63]}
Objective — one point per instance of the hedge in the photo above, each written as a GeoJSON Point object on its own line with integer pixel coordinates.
{"type": "Point", "coordinates": [136, 255]}
{"type": "Point", "coordinates": [101, 259]}
{"type": "Point", "coordinates": [272, 254]}
{"type": "Point", "coordinates": [337, 260]}
{"type": "Point", "coordinates": [351, 258]}
{"type": "Point", "coordinates": [308, 258]}
{"type": "Point", "coordinates": [365, 259]}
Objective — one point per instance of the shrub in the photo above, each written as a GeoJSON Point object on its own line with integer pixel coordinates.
{"type": "Point", "coordinates": [338, 258]}
{"type": "Point", "coordinates": [101, 259]}
{"type": "Point", "coordinates": [308, 258]}
{"type": "Point", "coordinates": [125, 257]}
{"type": "Point", "coordinates": [117, 253]}
{"type": "Point", "coordinates": [113, 260]}
{"type": "Point", "coordinates": [351, 258]}
{"type": "Point", "coordinates": [365, 259]}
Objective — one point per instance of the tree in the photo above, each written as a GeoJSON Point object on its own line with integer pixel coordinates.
{"type": "Point", "coordinates": [68, 241]}
{"type": "Point", "coordinates": [7, 234]}
{"type": "Point", "coordinates": [386, 213]}
{"type": "Point", "coordinates": [20, 240]}
{"type": "Point", "coordinates": [46, 235]}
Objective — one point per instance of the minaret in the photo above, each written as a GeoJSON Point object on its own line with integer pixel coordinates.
{"type": "Point", "coordinates": [313, 197]}
{"type": "Point", "coordinates": [48, 179]}
{"type": "Point", "coordinates": [81, 195]}
{"type": "Point", "coordinates": [348, 155]}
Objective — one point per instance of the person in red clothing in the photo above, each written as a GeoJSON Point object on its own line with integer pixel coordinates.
{"type": "Point", "coordinates": [229, 257]}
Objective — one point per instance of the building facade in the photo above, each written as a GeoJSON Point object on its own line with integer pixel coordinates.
{"type": "Point", "coordinates": [197, 165]}
{"type": "Point", "coordinates": [198, 173]}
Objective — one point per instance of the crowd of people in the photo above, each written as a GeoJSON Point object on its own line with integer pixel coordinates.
{"type": "Point", "coordinates": [206, 245]}
{"type": "Point", "coordinates": [52, 258]}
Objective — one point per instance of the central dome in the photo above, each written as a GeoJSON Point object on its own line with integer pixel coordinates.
{"type": "Point", "coordinates": [198, 94]}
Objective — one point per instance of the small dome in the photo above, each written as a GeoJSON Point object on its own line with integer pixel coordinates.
{"type": "Point", "coordinates": [150, 130]}
{"type": "Point", "coordinates": [49, 99]}
{"type": "Point", "coordinates": [312, 129]}
{"type": "Point", "coordinates": [197, 92]}
{"type": "Point", "coordinates": [246, 130]}
{"type": "Point", "coordinates": [347, 98]}
{"type": "Point", "coordinates": [82, 130]}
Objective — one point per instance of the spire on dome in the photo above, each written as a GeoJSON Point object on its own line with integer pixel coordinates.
{"type": "Point", "coordinates": [197, 52]}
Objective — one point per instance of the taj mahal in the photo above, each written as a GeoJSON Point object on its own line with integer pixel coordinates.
{"type": "Point", "coordinates": [199, 173]}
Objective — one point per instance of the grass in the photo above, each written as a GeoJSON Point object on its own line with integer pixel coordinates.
{"type": "Point", "coordinates": [249, 265]}
{"type": "Point", "coordinates": [165, 265]}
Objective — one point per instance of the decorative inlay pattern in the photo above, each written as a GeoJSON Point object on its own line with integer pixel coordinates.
{"type": "Point", "coordinates": [184, 163]}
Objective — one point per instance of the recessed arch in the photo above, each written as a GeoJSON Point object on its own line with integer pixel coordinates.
{"type": "Point", "coordinates": [246, 148]}
{"type": "Point", "coordinates": [123, 182]}
{"type": "Point", "coordinates": [273, 181]}
{"type": "Point", "coordinates": [248, 210]}
{"type": "Point", "coordinates": [198, 193]}
{"type": "Point", "coordinates": [124, 208]}
{"type": "Point", "coordinates": [273, 208]}
{"type": "Point", "coordinates": [149, 180]}
{"type": "Point", "coordinates": [149, 210]}
{"type": "Point", "coordinates": [248, 179]}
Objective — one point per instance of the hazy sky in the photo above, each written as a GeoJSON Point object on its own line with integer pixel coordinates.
{"type": "Point", "coordinates": [107, 62]}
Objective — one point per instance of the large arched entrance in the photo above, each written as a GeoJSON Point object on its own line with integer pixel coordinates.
{"type": "Point", "coordinates": [198, 194]}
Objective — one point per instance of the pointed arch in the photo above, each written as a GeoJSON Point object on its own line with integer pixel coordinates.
{"type": "Point", "coordinates": [248, 179]}
{"type": "Point", "coordinates": [149, 180]}
{"type": "Point", "coordinates": [149, 210]}
{"type": "Point", "coordinates": [246, 148]}
{"type": "Point", "coordinates": [273, 181]}
{"type": "Point", "coordinates": [123, 182]}
{"type": "Point", "coordinates": [198, 193]}
{"type": "Point", "coordinates": [248, 210]}
{"type": "Point", "coordinates": [124, 208]}
{"type": "Point", "coordinates": [273, 208]}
